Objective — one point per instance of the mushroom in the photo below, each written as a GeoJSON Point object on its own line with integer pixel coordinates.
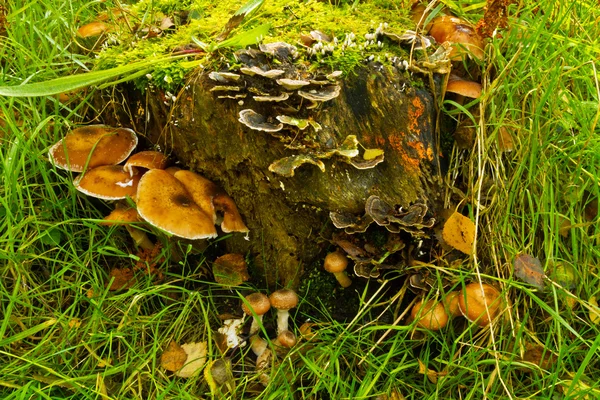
{"type": "Point", "coordinates": [301, 124]}
{"type": "Point", "coordinates": [283, 300]}
{"type": "Point", "coordinates": [211, 197]}
{"type": "Point", "coordinates": [323, 94]}
{"type": "Point", "coordinates": [256, 305]}
{"type": "Point", "coordinates": [459, 32]}
{"type": "Point", "coordinates": [126, 216]}
{"type": "Point", "coordinates": [430, 314]}
{"type": "Point", "coordinates": [282, 97]}
{"type": "Point", "coordinates": [292, 84]}
{"type": "Point", "coordinates": [480, 303]}
{"type": "Point", "coordinates": [93, 29]}
{"type": "Point", "coordinates": [451, 303]}
{"type": "Point", "coordinates": [164, 202]}
{"type": "Point", "coordinates": [287, 339]}
{"type": "Point", "coordinates": [463, 87]}
{"type": "Point", "coordinates": [146, 159]}
{"type": "Point", "coordinates": [336, 263]}
{"type": "Point", "coordinates": [258, 122]}
{"type": "Point", "coordinates": [108, 182]}
{"type": "Point", "coordinates": [92, 146]}
{"type": "Point", "coordinates": [258, 345]}
{"type": "Point", "coordinates": [224, 77]}
{"type": "Point", "coordinates": [281, 50]}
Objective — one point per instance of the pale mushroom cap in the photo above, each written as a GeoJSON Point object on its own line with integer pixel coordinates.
{"type": "Point", "coordinates": [257, 302]}
{"type": "Point", "coordinates": [322, 94]}
{"type": "Point", "coordinates": [109, 146]}
{"type": "Point", "coordinates": [146, 159]}
{"type": "Point", "coordinates": [107, 182]}
{"type": "Point", "coordinates": [335, 262]}
{"type": "Point", "coordinates": [283, 299]}
{"type": "Point", "coordinates": [164, 202]}
{"type": "Point", "coordinates": [464, 87]}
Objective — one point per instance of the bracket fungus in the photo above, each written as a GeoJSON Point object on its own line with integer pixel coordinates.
{"type": "Point", "coordinates": [258, 122]}
{"type": "Point", "coordinates": [92, 146]}
{"type": "Point", "coordinates": [292, 84]}
{"type": "Point", "coordinates": [270, 74]}
{"type": "Point", "coordinates": [322, 94]}
{"type": "Point", "coordinates": [164, 202]}
{"type": "Point", "coordinates": [108, 182]}
{"type": "Point", "coordinates": [283, 300]}
{"type": "Point", "coordinates": [224, 77]}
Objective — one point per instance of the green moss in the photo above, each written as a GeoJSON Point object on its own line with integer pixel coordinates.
{"type": "Point", "coordinates": [205, 19]}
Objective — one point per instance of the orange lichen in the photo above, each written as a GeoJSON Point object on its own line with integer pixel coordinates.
{"type": "Point", "coordinates": [420, 150]}
{"type": "Point", "coordinates": [414, 112]}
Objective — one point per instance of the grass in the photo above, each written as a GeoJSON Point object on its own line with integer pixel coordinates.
{"type": "Point", "coordinates": [64, 335]}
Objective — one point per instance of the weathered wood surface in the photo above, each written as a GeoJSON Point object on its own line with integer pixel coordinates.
{"type": "Point", "coordinates": [289, 216]}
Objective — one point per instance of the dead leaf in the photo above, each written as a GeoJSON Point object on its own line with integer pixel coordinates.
{"type": "Point", "coordinates": [529, 269]}
{"type": "Point", "coordinates": [505, 140]}
{"type": "Point", "coordinates": [594, 310]}
{"type": "Point", "coordinates": [196, 357]}
{"type": "Point", "coordinates": [230, 270]}
{"type": "Point", "coordinates": [123, 278]}
{"type": "Point", "coordinates": [432, 375]}
{"type": "Point", "coordinates": [459, 232]}
{"type": "Point", "coordinates": [539, 355]}
{"type": "Point", "coordinates": [74, 323]}
{"type": "Point", "coordinates": [173, 358]}
{"type": "Point", "coordinates": [564, 227]}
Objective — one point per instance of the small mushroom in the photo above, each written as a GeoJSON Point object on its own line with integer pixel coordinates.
{"type": "Point", "coordinates": [336, 263]}
{"type": "Point", "coordinates": [281, 50]}
{"type": "Point", "coordinates": [283, 300]}
{"type": "Point", "coordinates": [430, 315]}
{"type": "Point", "coordinates": [480, 303]}
{"type": "Point", "coordinates": [292, 84]}
{"type": "Point", "coordinates": [256, 121]}
{"type": "Point", "coordinates": [256, 305]}
{"type": "Point", "coordinates": [93, 29]}
{"type": "Point", "coordinates": [92, 146]}
{"type": "Point", "coordinates": [146, 159]}
{"type": "Point", "coordinates": [287, 339]}
{"type": "Point", "coordinates": [126, 216]}
{"type": "Point", "coordinates": [165, 203]}
{"type": "Point", "coordinates": [258, 345]}
{"type": "Point", "coordinates": [322, 94]}
{"type": "Point", "coordinates": [463, 87]}
{"type": "Point", "coordinates": [451, 303]}
{"type": "Point", "coordinates": [108, 182]}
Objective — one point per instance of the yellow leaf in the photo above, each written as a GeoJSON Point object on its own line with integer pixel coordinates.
{"type": "Point", "coordinates": [196, 357]}
{"type": "Point", "coordinates": [459, 232]}
{"type": "Point", "coordinates": [371, 154]}
{"type": "Point", "coordinates": [173, 358]}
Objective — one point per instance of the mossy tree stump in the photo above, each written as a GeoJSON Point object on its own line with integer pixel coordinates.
{"type": "Point", "coordinates": [288, 217]}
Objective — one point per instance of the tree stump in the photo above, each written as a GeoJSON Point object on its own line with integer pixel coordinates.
{"type": "Point", "coordinates": [288, 216]}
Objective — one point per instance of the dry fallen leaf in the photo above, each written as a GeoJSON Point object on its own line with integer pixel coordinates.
{"type": "Point", "coordinates": [529, 269]}
{"type": "Point", "coordinates": [196, 357]}
{"type": "Point", "coordinates": [173, 358]}
{"type": "Point", "coordinates": [459, 232]}
{"type": "Point", "coordinates": [230, 270]}
{"type": "Point", "coordinates": [505, 140]}
{"type": "Point", "coordinates": [538, 355]}
{"type": "Point", "coordinates": [432, 375]}
{"type": "Point", "coordinates": [564, 226]}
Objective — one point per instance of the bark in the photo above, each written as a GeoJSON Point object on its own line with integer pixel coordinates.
{"type": "Point", "coordinates": [288, 217]}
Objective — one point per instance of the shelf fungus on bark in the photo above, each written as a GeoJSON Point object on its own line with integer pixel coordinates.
{"type": "Point", "coordinates": [292, 84]}
{"type": "Point", "coordinates": [258, 122]}
{"type": "Point", "coordinates": [224, 77]}
{"type": "Point", "coordinates": [279, 50]}
{"type": "Point", "coordinates": [269, 74]}
{"type": "Point", "coordinates": [322, 94]}
{"type": "Point", "coordinates": [281, 97]}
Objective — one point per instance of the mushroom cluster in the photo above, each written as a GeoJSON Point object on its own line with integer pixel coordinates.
{"type": "Point", "coordinates": [480, 303]}
{"type": "Point", "coordinates": [256, 305]}
{"type": "Point", "coordinates": [176, 201]}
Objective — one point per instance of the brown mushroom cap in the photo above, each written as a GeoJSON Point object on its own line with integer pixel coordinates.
{"type": "Point", "coordinates": [106, 145]}
{"type": "Point", "coordinates": [211, 197]}
{"type": "Point", "coordinates": [121, 216]}
{"type": "Point", "coordinates": [459, 33]}
{"type": "Point", "coordinates": [480, 303]}
{"type": "Point", "coordinates": [257, 302]}
{"type": "Point", "coordinates": [93, 29]}
{"type": "Point", "coordinates": [287, 339]}
{"type": "Point", "coordinates": [107, 182]}
{"type": "Point", "coordinates": [451, 303]}
{"type": "Point", "coordinates": [146, 159]}
{"type": "Point", "coordinates": [463, 87]}
{"type": "Point", "coordinates": [430, 315]}
{"type": "Point", "coordinates": [335, 262]}
{"type": "Point", "coordinates": [283, 299]}
{"type": "Point", "coordinates": [165, 203]}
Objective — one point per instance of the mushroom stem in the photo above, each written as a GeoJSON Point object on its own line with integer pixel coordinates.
{"type": "Point", "coordinates": [342, 278]}
{"type": "Point", "coordinates": [282, 321]}
{"type": "Point", "coordinates": [255, 324]}
{"type": "Point", "coordinates": [140, 238]}
{"type": "Point", "coordinates": [258, 345]}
